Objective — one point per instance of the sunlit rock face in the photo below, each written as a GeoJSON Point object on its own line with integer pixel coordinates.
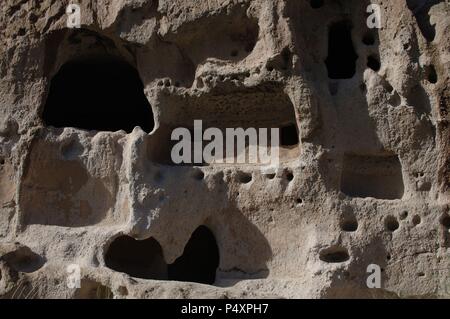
{"type": "Point", "coordinates": [92, 205]}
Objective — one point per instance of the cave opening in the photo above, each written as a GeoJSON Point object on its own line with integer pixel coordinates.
{"type": "Point", "coordinates": [289, 135]}
{"type": "Point", "coordinates": [341, 60]}
{"type": "Point", "coordinates": [199, 261]}
{"type": "Point", "coordinates": [137, 258]}
{"type": "Point", "coordinates": [101, 94]}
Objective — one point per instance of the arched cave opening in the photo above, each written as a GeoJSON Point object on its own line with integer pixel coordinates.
{"type": "Point", "coordinates": [199, 261]}
{"type": "Point", "coordinates": [102, 94]}
{"type": "Point", "coordinates": [137, 258]}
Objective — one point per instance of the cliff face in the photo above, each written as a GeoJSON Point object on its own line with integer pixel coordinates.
{"type": "Point", "coordinates": [88, 187]}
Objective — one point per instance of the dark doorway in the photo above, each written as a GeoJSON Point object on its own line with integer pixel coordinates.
{"type": "Point", "coordinates": [102, 94]}
{"type": "Point", "coordinates": [341, 60]}
{"type": "Point", "coordinates": [289, 135]}
{"type": "Point", "coordinates": [140, 259]}
{"type": "Point", "coordinates": [199, 261]}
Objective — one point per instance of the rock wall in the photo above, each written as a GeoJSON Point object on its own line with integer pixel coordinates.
{"type": "Point", "coordinates": [86, 117]}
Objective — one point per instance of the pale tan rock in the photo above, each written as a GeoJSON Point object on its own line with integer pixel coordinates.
{"type": "Point", "coordinates": [368, 182]}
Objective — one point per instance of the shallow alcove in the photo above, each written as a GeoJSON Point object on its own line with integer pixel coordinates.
{"type": "Point", "coordinates": [341, 60]}
{"type": "Point", "coordinates": [199, 261]}
{"type": "Point", "coordinates": [100, 93]}
{"type": "Point", "coordinates": [91, 289]}
{"type": "Point", "coordinates": [24, 259]}
{"type": "Point", "coordinates": [254, 110]}
{"type": "Point", "coordinates": [137, 258]}
{"type": "Point", "coordinates": [372, 176]}
{"type": "Point", "coordinates": [334, 254]}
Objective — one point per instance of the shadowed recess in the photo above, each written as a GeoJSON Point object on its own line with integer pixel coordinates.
{"type": "Point", "coordinates": [421, 11]}
{"type": "Point", "coordinates": [199, 261]}
{"type": "Point", "coordinates": [372, 176]}
{"type": "Point", "coordinates": [101, 94]}
{"type": "Point", "coordinates": [137, 258]}
{"type": "Point", "coordinates": [341, 60]}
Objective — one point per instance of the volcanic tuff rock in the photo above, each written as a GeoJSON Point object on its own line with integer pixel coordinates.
{"type": "Point", "coordinates": [86, 177]}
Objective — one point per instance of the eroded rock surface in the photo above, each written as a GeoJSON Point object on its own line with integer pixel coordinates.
{"type": "Point", "coordinates": [86, 117]}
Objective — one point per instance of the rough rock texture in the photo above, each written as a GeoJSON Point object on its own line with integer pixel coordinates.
{"type": "Point", "coordinates": [367, 183]}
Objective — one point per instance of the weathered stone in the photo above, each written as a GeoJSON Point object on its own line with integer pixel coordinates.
{"type": "Point", "coordinates": [366, 182]}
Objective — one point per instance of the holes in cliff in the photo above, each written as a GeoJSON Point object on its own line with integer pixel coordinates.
{"type": "Point", "coordinates": [243, 178]}
{"type": "Point", "coordinates": [416, 220]}
{"type": "Point", "coordinates": [391, 223]}
{"type": "Point", "coordinates": [289, 135]}
{"type": "Point", "coordinates": [103, 94]}
{"type": "Point", "coordinates": [90, 289]}
{"type": "Point", "coordinates": [199, 261]}
{"type": "Point", "coordinates": [421, 9]}
{"type": "Point", "coordinates": [372, 176]}
{"type": "Point", "coordinates": [403, 215]}
{"type": "Point", "coordinates": [349, 223]}
{"type": "Point", "coordinates": [431, 74]}
{"type": "Point", "coordinates": [289, 175]}
{"type": "Point", "coordinates": [341, 60]}
{"type": "Point", "coordinates": [373, 63]}
{"type": "Point", "coordinates": [24, 260]}
{"type": "Point", "coordinates": [335, 254]}
{"type": "Point", "coordinates": [445, 221]}
{"type": "Point", "coordinates": [140, 259]}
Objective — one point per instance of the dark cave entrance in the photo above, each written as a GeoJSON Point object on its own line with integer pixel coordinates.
{"type": "Point", "coordinates": [289, 135]}
{"type": "Point", "coordinates": [199, 261]}
{"type": "Point", "coordinates": [102, 94]}
{"type": "Point", "coordinates": [137, 258]}
{"type": "Point", "coordinates": [144, 258]}
{"type": "Point", "coordinates": [341, 60]}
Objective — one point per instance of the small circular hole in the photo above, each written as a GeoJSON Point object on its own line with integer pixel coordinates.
{"type": "Point", "coordinates": [299, 201]}
{"type": "Point", "coordinates": [416, 220]}
{"type": "Point", "coordinates": [373, 63]}
{"type": "Point", "coordinates": [289, 176]}
{"type": "Point", "coordinates": [403, 215]}
{"type": "Point", "coordinates": [270, 176]}
{"type": "Point", "coordinates": [391, 223]}
{"type": "Point", "coordinates": [244, 178]}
